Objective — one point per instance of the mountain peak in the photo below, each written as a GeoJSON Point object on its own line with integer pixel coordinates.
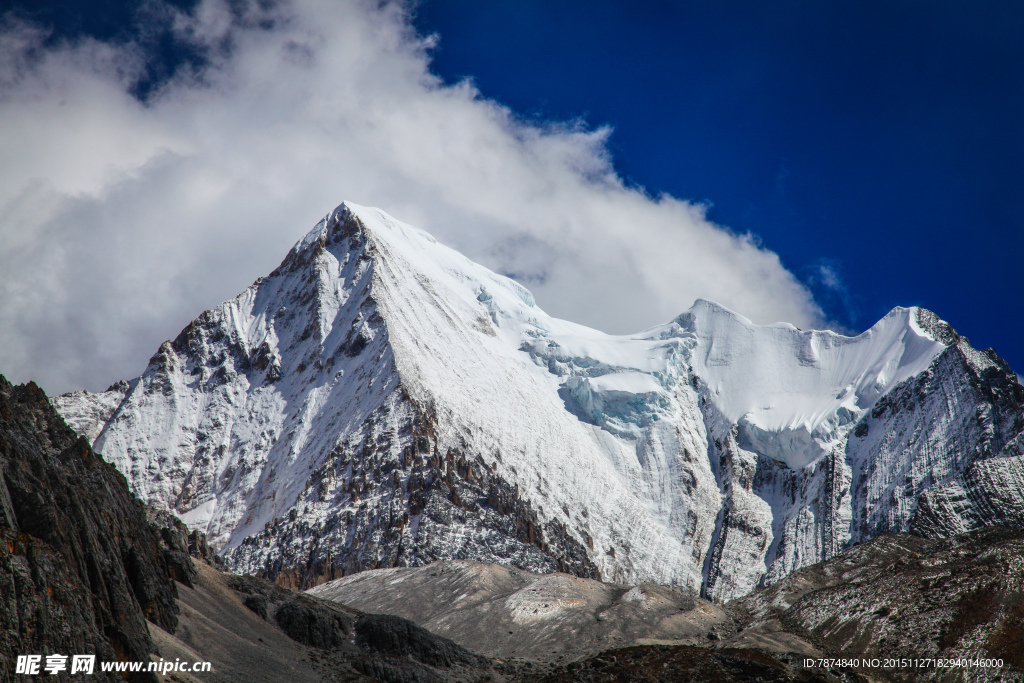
{"type": "Point", "coordinates": [380, 400]}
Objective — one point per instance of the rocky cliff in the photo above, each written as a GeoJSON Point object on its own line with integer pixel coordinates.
{"type": "Point", "coordinates": [81, 571]}
{"type": "Point", "coordinates": [947, 609]}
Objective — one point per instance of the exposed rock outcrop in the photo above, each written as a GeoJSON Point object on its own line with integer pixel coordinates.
{"type": "Point", "coordinates": [80, 569]}
{"type": "Point", "coordinates": [902, 599]}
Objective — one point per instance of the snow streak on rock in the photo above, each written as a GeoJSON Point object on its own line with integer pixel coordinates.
{"type": "Point", "coordinates": [379, 400]}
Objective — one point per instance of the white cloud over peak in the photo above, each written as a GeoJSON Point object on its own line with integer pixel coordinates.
{"type": "Point", "coordinates": [120, 220]}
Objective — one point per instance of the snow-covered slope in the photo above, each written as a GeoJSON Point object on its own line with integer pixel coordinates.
{"type": "Point", "coordinates": [381, 400]}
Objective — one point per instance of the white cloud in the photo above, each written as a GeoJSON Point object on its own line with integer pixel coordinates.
{"type": "Point", "coordinates": [120, 221]}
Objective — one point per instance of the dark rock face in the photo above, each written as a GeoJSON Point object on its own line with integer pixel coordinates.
{"type": "Point", "coordinates": [174, 535]}
{"type": "Point", "coordinates": [906, 597]}
{"type": "Point", "coordinates": [181, 546]}
{"type": "Point", "coordinates": [303, 619]}
{"type": "Point", "coordinates": [396, 636]}
{"type": "Point", "coordinates": [80, 569]}
{"type": "Point", "coordinates": [949, 450]}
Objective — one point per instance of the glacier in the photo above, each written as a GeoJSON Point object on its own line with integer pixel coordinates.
{"type": "Point", "coordinates": [381, 400]}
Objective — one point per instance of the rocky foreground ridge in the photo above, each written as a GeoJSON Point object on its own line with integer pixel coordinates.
{"type": "Point", "coordinates": [81, 571]}
{"type": "Point", "coordinates": [86, 568]}
{"type": "Point", "coordinates": [379, 400]}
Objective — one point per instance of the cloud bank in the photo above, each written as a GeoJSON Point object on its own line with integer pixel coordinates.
{"type": "Point", "coordinates": [121, 220]}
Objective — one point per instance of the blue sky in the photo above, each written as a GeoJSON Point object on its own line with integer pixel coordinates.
{"type": "Point", "coordinates": [817, 163]}
{"type": "Point", "coordinates": [877, 147]}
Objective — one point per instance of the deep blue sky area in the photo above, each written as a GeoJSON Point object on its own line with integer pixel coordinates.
{"type": "Point", "coordinates": [876, 146]}
{"type": "Point", "coordinates": [882, 140]}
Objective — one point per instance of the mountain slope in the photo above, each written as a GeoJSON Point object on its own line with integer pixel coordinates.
{"type": "Point", "coordinates": [903, 599]}
{"type": "Point", "coordinates": [81, 571]}
{"type": "Point", "coordinates": [380, 400]}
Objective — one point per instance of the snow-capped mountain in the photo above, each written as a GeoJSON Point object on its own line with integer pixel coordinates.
{"type": "Point", "coordinates": [380, 400]}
